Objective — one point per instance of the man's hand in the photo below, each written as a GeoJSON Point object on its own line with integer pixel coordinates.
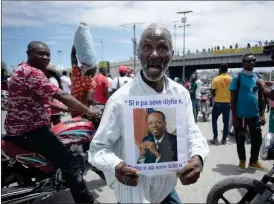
{"type": "Point", "coordinates": [235, 122]}
{"type": "Point", "coordinates": [191, 172]}
{"type": "Point", "coordinates": [262, 120]}
{"type": "Point", "coordinates": [151, 147]}
{"type": "Point", "coordinates": [127, 175]}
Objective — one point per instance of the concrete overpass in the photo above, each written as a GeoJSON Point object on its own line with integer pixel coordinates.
{"type": "Point", "coordinates": [199, 61]}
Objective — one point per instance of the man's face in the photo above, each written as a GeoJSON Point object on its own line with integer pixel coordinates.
{"type": "Point", "coordinates": [39, 56]}
{"type": "Point", "coordinates": [193, 77]}
{"type": "Point", "coordinates": [155, 53]}
{"type": "Point", "coordinates": [156, 124]}
{"type": "Point", "coordinates": [249, 62]}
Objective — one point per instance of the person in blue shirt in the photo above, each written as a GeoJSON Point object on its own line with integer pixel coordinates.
{"type": "Point", "coordinates": [247, 107]}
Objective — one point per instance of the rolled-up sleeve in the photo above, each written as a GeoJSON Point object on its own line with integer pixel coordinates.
{"type": "Point", "coordinates": [197, 144]}
{"type": "Point", "coordinates": [101, 152]}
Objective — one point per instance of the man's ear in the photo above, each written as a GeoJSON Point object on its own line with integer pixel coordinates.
{"type": "Point", "coordinates": [27, 52]}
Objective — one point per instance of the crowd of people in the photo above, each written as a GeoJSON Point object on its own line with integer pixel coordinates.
{"type": "Point", "coordinates": [231, 47]}
{"type": "Point", "coordinates": [34, 87]}
{"type": "Point", "coordinates": [242, 102]}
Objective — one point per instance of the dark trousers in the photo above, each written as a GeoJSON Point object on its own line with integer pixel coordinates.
{"type": "Point", "coordinates": [195, 108]}
{"type": "Point", "coordinates": [44, 142]}
{"type": "Point", "coordinates": [224, 109]}
{"type": "Point", "coordinates": [255, 135]}
{"type": "Point", "coordinates": [172, 198]}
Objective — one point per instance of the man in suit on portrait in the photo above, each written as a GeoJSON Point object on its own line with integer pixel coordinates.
{"type": "Point", "coordinates": [159, 146]}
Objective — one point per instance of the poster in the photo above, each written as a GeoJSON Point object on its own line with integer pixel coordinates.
{"type": "Point", "coordinates": [155, 133]}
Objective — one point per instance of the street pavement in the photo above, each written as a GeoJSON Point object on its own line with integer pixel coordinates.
{"type": "Point", "coordinates": [220, 163]}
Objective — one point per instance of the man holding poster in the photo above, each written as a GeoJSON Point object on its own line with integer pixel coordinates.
{"type": "Point", "coordinates": [116, 140]}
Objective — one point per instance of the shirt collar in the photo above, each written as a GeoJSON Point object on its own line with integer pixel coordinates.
{"type": "Point", "coordinates": [146, 88]}
{"type": "Point", "coordinates": [160, 140]}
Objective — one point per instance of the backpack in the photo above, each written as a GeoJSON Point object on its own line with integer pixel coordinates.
{"type": "Point", "coordinates": [260, 91]}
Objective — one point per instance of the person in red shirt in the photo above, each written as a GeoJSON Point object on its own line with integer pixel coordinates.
{"type": "Point", "coordinates": [82, 84]}
{"type": "Point", "coordinates": [27, 122]}
{"type": "Point", "coordinates": [102, 85]}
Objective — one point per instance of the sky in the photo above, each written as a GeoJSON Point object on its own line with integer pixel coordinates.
{"type": "Point", "coordinates": [212, 23]}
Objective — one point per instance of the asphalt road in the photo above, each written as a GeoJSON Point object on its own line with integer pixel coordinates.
{"type": "Point", "coordinates": [221, 163]}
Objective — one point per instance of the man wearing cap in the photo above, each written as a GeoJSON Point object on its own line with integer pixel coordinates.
{"type": "Point", "coordinates": [122, 79]}
{"type": "Point", "coordinates": [82, 84]}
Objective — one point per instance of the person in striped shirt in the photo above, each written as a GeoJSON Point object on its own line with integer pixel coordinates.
{"type": "Point", "coordinates": [107, 147]}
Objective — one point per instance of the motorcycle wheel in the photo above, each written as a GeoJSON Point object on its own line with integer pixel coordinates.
{"type": "Point", "coordinates": [204, 117]}
{"type": "Point", "coordinates": [217, 192]}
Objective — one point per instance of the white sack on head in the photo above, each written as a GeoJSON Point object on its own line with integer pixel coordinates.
{"type": "Point", "coordinates": [84, 46]}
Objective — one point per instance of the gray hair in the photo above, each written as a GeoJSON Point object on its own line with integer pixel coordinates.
{"type": "Point", "coordinates": [155, 27]}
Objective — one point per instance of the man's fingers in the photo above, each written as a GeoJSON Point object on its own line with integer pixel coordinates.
{"type": "Point", "coordinates": [127, 169]}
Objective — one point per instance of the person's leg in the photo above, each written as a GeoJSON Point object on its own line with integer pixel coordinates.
{"type": "Point", "coordinates": [197, 108]}
{"type": "Point", "coordinates": [225, 107]}
{"type": "Point", "coordinates": [44, 142]}
{"type": "Point", "coordinates": [172, 198]}
{"type": "Point", "coordinates": [271, 120]}
{"type": "Point", "coordinates": [256, 141]}
{"type": "Point", "coordinates": [240, 141]}
{"type": "Point", "coordinates": [215, 115]}
{"type": "Point", "coordinates": [194, 101]}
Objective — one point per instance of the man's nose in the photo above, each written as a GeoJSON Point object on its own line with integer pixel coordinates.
{"type": "Point", "coordinates": [154, 54]}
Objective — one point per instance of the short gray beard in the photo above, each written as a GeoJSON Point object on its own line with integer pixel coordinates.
{"type": "Point", "coordinates": [154, 78]}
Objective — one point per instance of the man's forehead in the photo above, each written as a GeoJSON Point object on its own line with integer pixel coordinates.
{"type": "Point", "coordinates": [155, 33]}
{"type": "Point", "coordinates": [250, 57]}
{"type": "Point", "coordinates": [152, 115]}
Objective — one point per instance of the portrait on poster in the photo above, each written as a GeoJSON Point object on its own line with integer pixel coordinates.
{"type": "Point", "coordinates": [155, 130]}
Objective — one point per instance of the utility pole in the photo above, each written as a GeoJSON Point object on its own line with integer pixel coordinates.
{"type": "Point", "coordinates": [102, 49]}
{"type": "Point", "coordinates": [175, 28]}
{"type": "Point", "coordinates": [183, 20]}
{"type": "Point", "coordinates": [134, 40]}
{"type": "Point", "coordinates": [60, 58]}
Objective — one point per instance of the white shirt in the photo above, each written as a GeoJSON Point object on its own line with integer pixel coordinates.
{"type": "Point", "coordinates": [66, 83]}
{"type": "Point", "coordinates": [54, 81]}
{"type": "Point", "coordinates": [122, 81]}
{"type": "Point", "coordinates": [110, 84]}
{"type": "Point", "coordinates": [198, 90]}
{"type": "Point", "coordinates": [106, 148]}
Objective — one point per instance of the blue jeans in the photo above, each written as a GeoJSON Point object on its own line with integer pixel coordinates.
{"type": "Point", "coordinates": [172, 198]}
{"type": "Point", "coordinates": [195, 108]}
{"type": "Point", "coordinates": [224, 109]}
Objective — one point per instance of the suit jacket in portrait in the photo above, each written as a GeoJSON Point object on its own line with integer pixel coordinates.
{"type": "Point", "coordinates": [167, 149]}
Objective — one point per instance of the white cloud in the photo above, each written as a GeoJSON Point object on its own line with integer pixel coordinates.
{"type": "Point", "coordinates": [212, 23]}
{"type": "Point", "coordinates": [51, 42]}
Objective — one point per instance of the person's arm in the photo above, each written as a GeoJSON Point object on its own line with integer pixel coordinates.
{"type": "Point", "coordinates": [267, 91]}
{"type": "Point", "coordinates": [74, 61]}
{"type": "Point", "coordinates": [72, 103]}
{"type": "Point", "coordinates": [106, 86]}
{"type": "Point", "coordinates": [101, 152]}
{"type": "Point", "coordinates": [233, 97]}
{"type": "Point", "coordinates": [40, 85]}
{"type": "Point", "coordinates": [213, 88]}
{"type": "Point", "coordinates": [59, 108]}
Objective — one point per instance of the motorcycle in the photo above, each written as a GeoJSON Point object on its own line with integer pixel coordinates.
{"type": "Point", "coordinates": [37, 177]}
{"type": "Point", "coordinates": [205, 106]}
{"type": "Point", "coordinates": [4, 99]}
